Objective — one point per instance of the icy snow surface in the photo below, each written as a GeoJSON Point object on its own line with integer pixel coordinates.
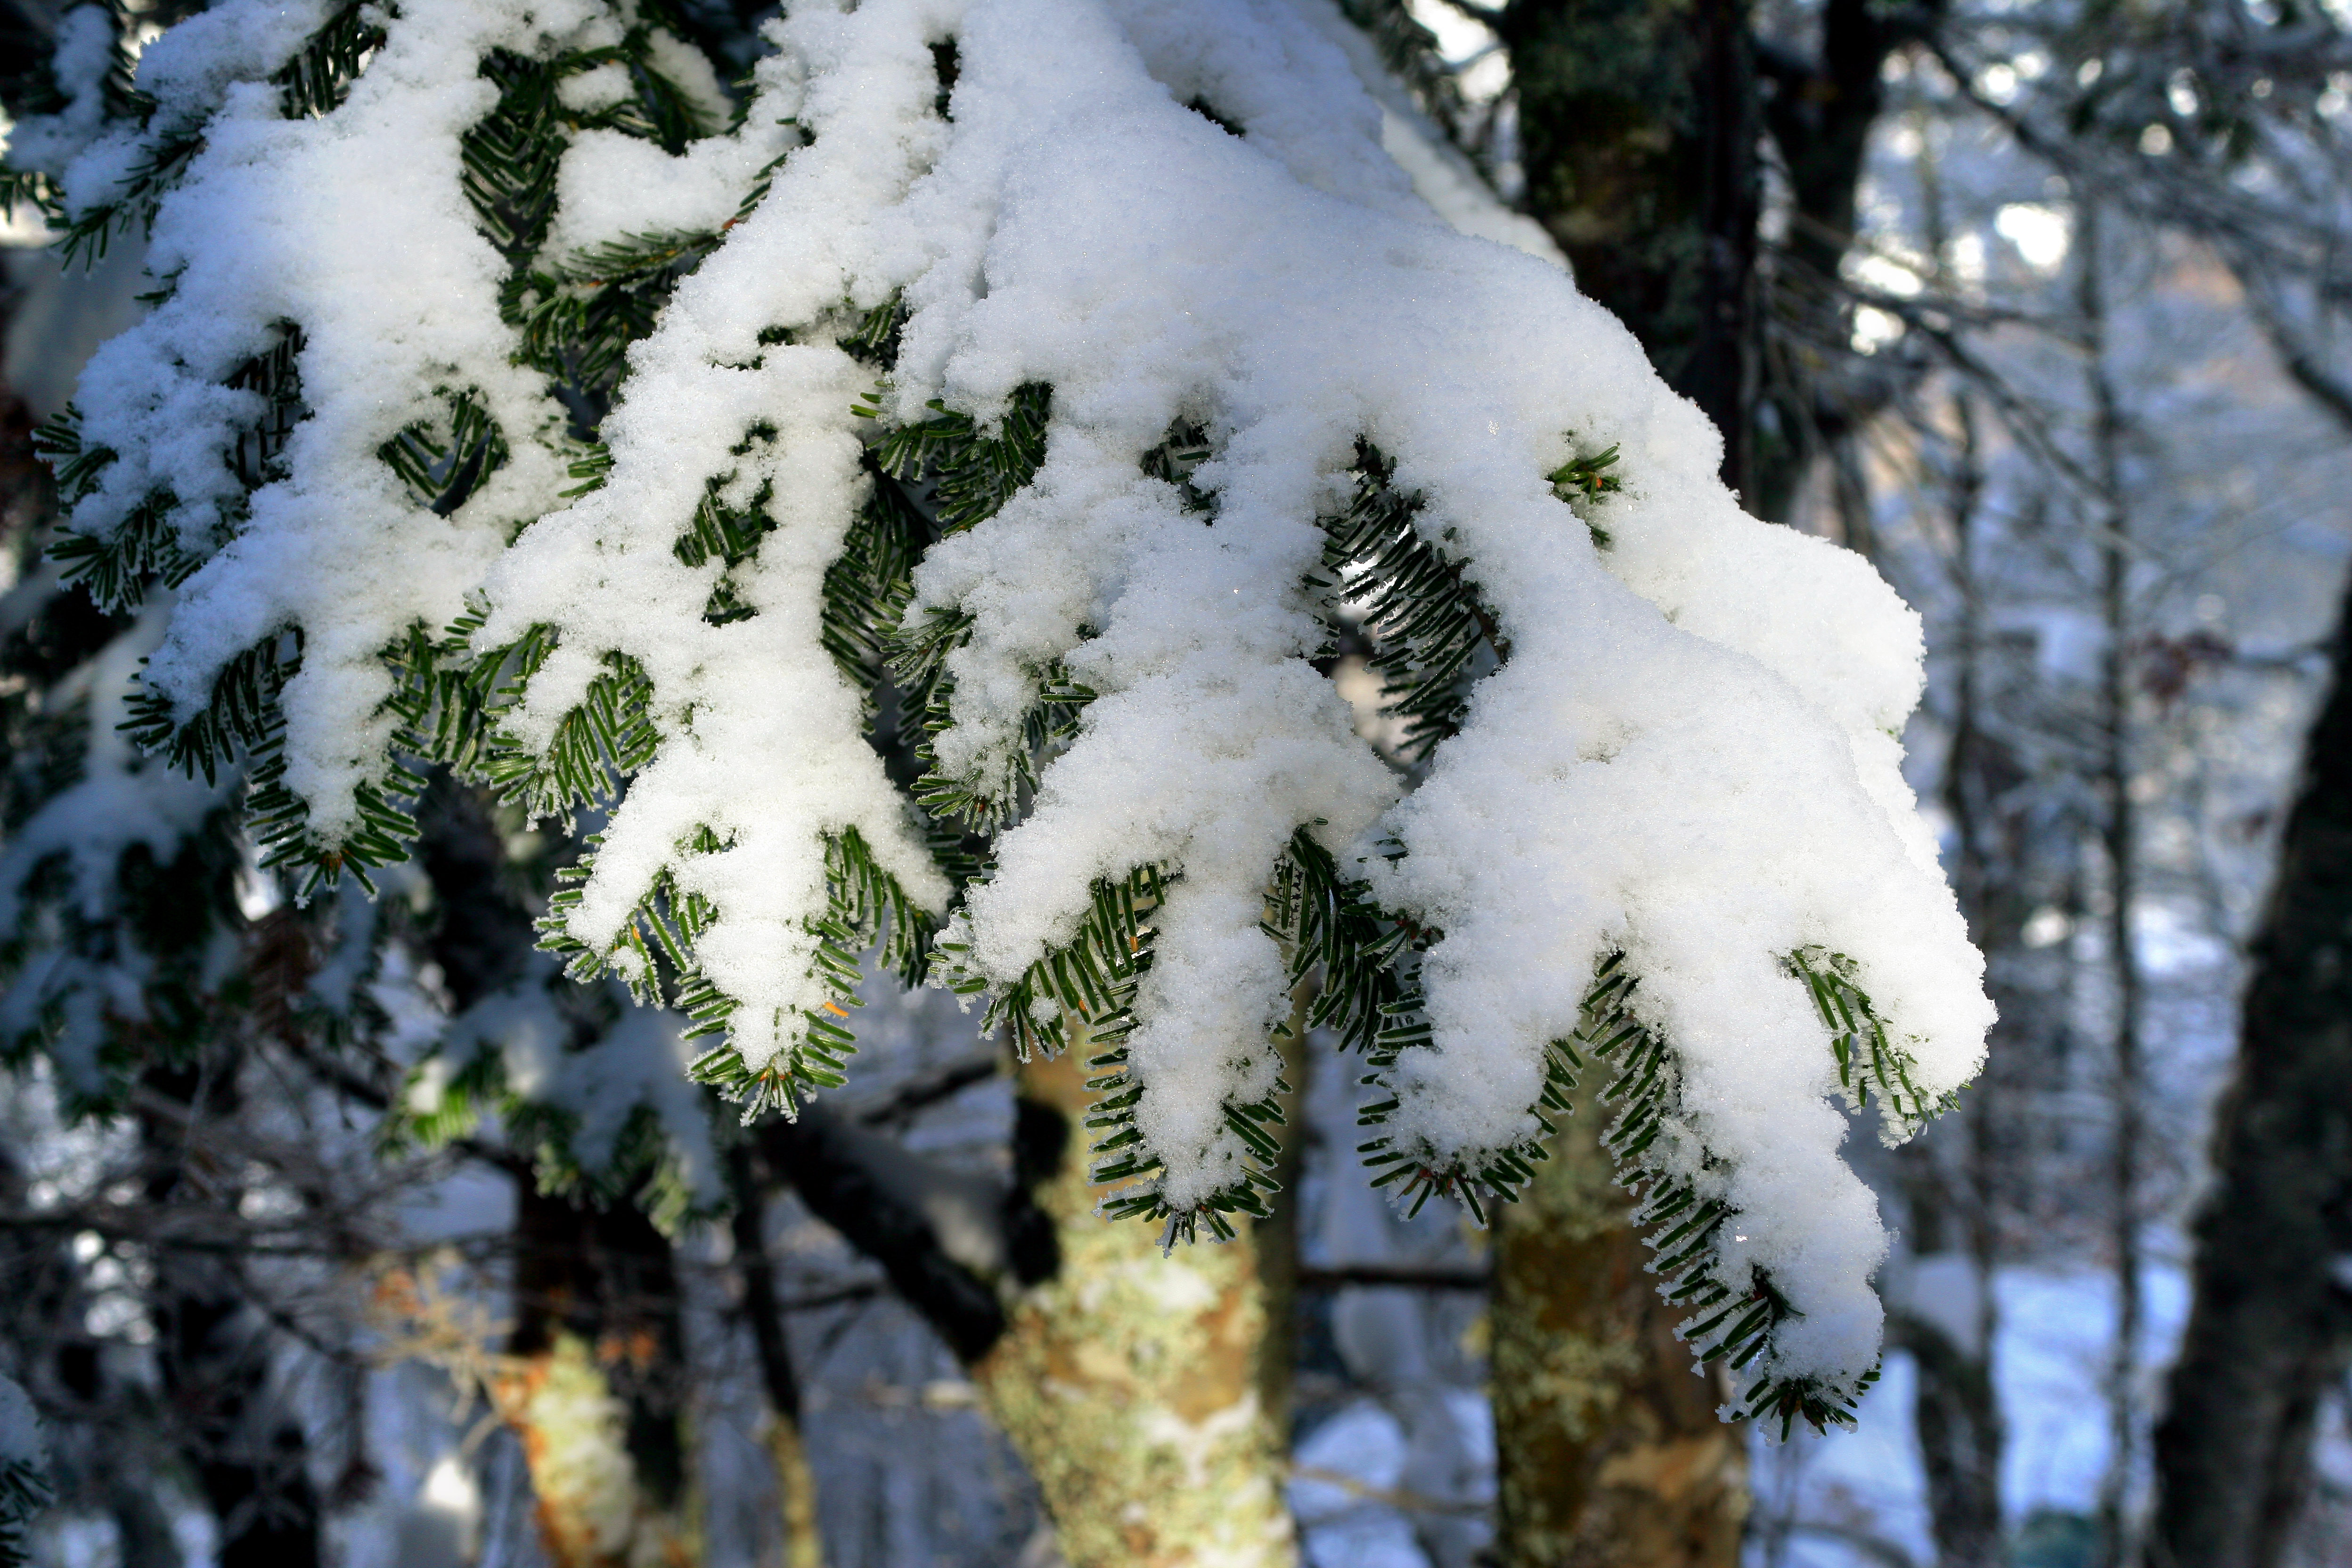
{"type": "Point", "coordinates": [1686, 754]}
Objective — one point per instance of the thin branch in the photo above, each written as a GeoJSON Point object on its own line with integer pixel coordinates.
{"type": "Point", "coordinates": [920, 1093]}
{"type": "Point", "coordinates": [820, 1155]}
{"type": "Point", "coordinates": [837, 1296]}
{"type": "Point", "coordinates": [1409, 1275]}
{"type": "Point", "coordinates": [2330, 391]}
{"type": "Point", "coordinates": [1398, 1498]}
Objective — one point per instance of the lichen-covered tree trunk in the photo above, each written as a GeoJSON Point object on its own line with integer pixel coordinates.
{"type": "Point", "coordinates": [594, 1387]}
{"type": "Point", "coordinates": [1611, 1452]}
{"type": "Point", "coordinates": [1131, 1381]}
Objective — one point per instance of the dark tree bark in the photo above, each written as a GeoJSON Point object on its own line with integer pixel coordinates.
{"type": "Point", "coordinates": [821, 1156]}
{"type": "Point", "coordinates": [2270, 1332]}
{"type": "Point", "coordinates": [1819, 110]}
{"type": "Point", "coordinates": [2118, 837]}
{"type": "Point", "coordinates": [212, 1351]}
{"type": "Point", "coordinates": [748, 1181]}
{"type": "Point", "coordinates": [1637, 125]}
{"type": "Point", "coordinates": [1958, 1422]}
{"type": "Point", "coordinates": [482, 932]}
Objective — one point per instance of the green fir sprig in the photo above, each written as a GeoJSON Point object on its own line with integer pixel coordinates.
{"type": "Point", "coordinates": [319, 75]}
{"type": "Point", "coordinates": [1584, 483]}
{"type": "Point", "coordinates": [1734, 1311]}
{"type": "Point", "coordinates": [1373, 1006]}
{"type": "Point", "coordinates": [1081, 996]}
{"type": "Point", "coordinates": [1425, 617]}
{"type": "Point", "coordinates": [865, 912]}
{"type": "Point", "coordinates": [144, 548]}
{"type": "Point", "coordinates": [1869, 1062]}
{"type": "Point", "coordinates": [969, 470]}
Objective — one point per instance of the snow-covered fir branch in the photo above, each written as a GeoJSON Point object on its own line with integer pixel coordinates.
{"type": "Point", "coordinates": [909, 506]}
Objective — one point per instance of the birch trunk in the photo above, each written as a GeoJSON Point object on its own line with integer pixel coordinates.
{"type": "Point", "coordinates": [1131, 1381]}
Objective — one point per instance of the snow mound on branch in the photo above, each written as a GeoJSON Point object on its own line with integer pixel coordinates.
{"type": "Point", "coordinates": [352, 229]}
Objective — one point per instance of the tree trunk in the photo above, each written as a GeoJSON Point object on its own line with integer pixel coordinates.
{"type": "Point", "coordinates": [2271, 1325]}
{"type": "Point", "coordinates": [595, 1386]}
{"type": "Point", "coordinates": [213, 1350]}
{"type": "Point", "coordinates": [1611, 1452]}
{"type": "Point", "coordinates": [795, 1482]}
{"type": "Point", "coordinates": [2118, 837]}
{"type": "Point", "coordinates": [1819, 110]}
{"type": "Point", "coordinates": [1129, 1381]}
{"type": "Point", "coordinates": [1639, 123]}
{"type": "Point", "coordinates": [1950, 1171]}
{"type": "Point", "coordinates": [1277, 1239]}
{"type": "Point", "coordinates": [1956, 1408]}
{"type": "Point", "coordinates": [1637, 127]}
